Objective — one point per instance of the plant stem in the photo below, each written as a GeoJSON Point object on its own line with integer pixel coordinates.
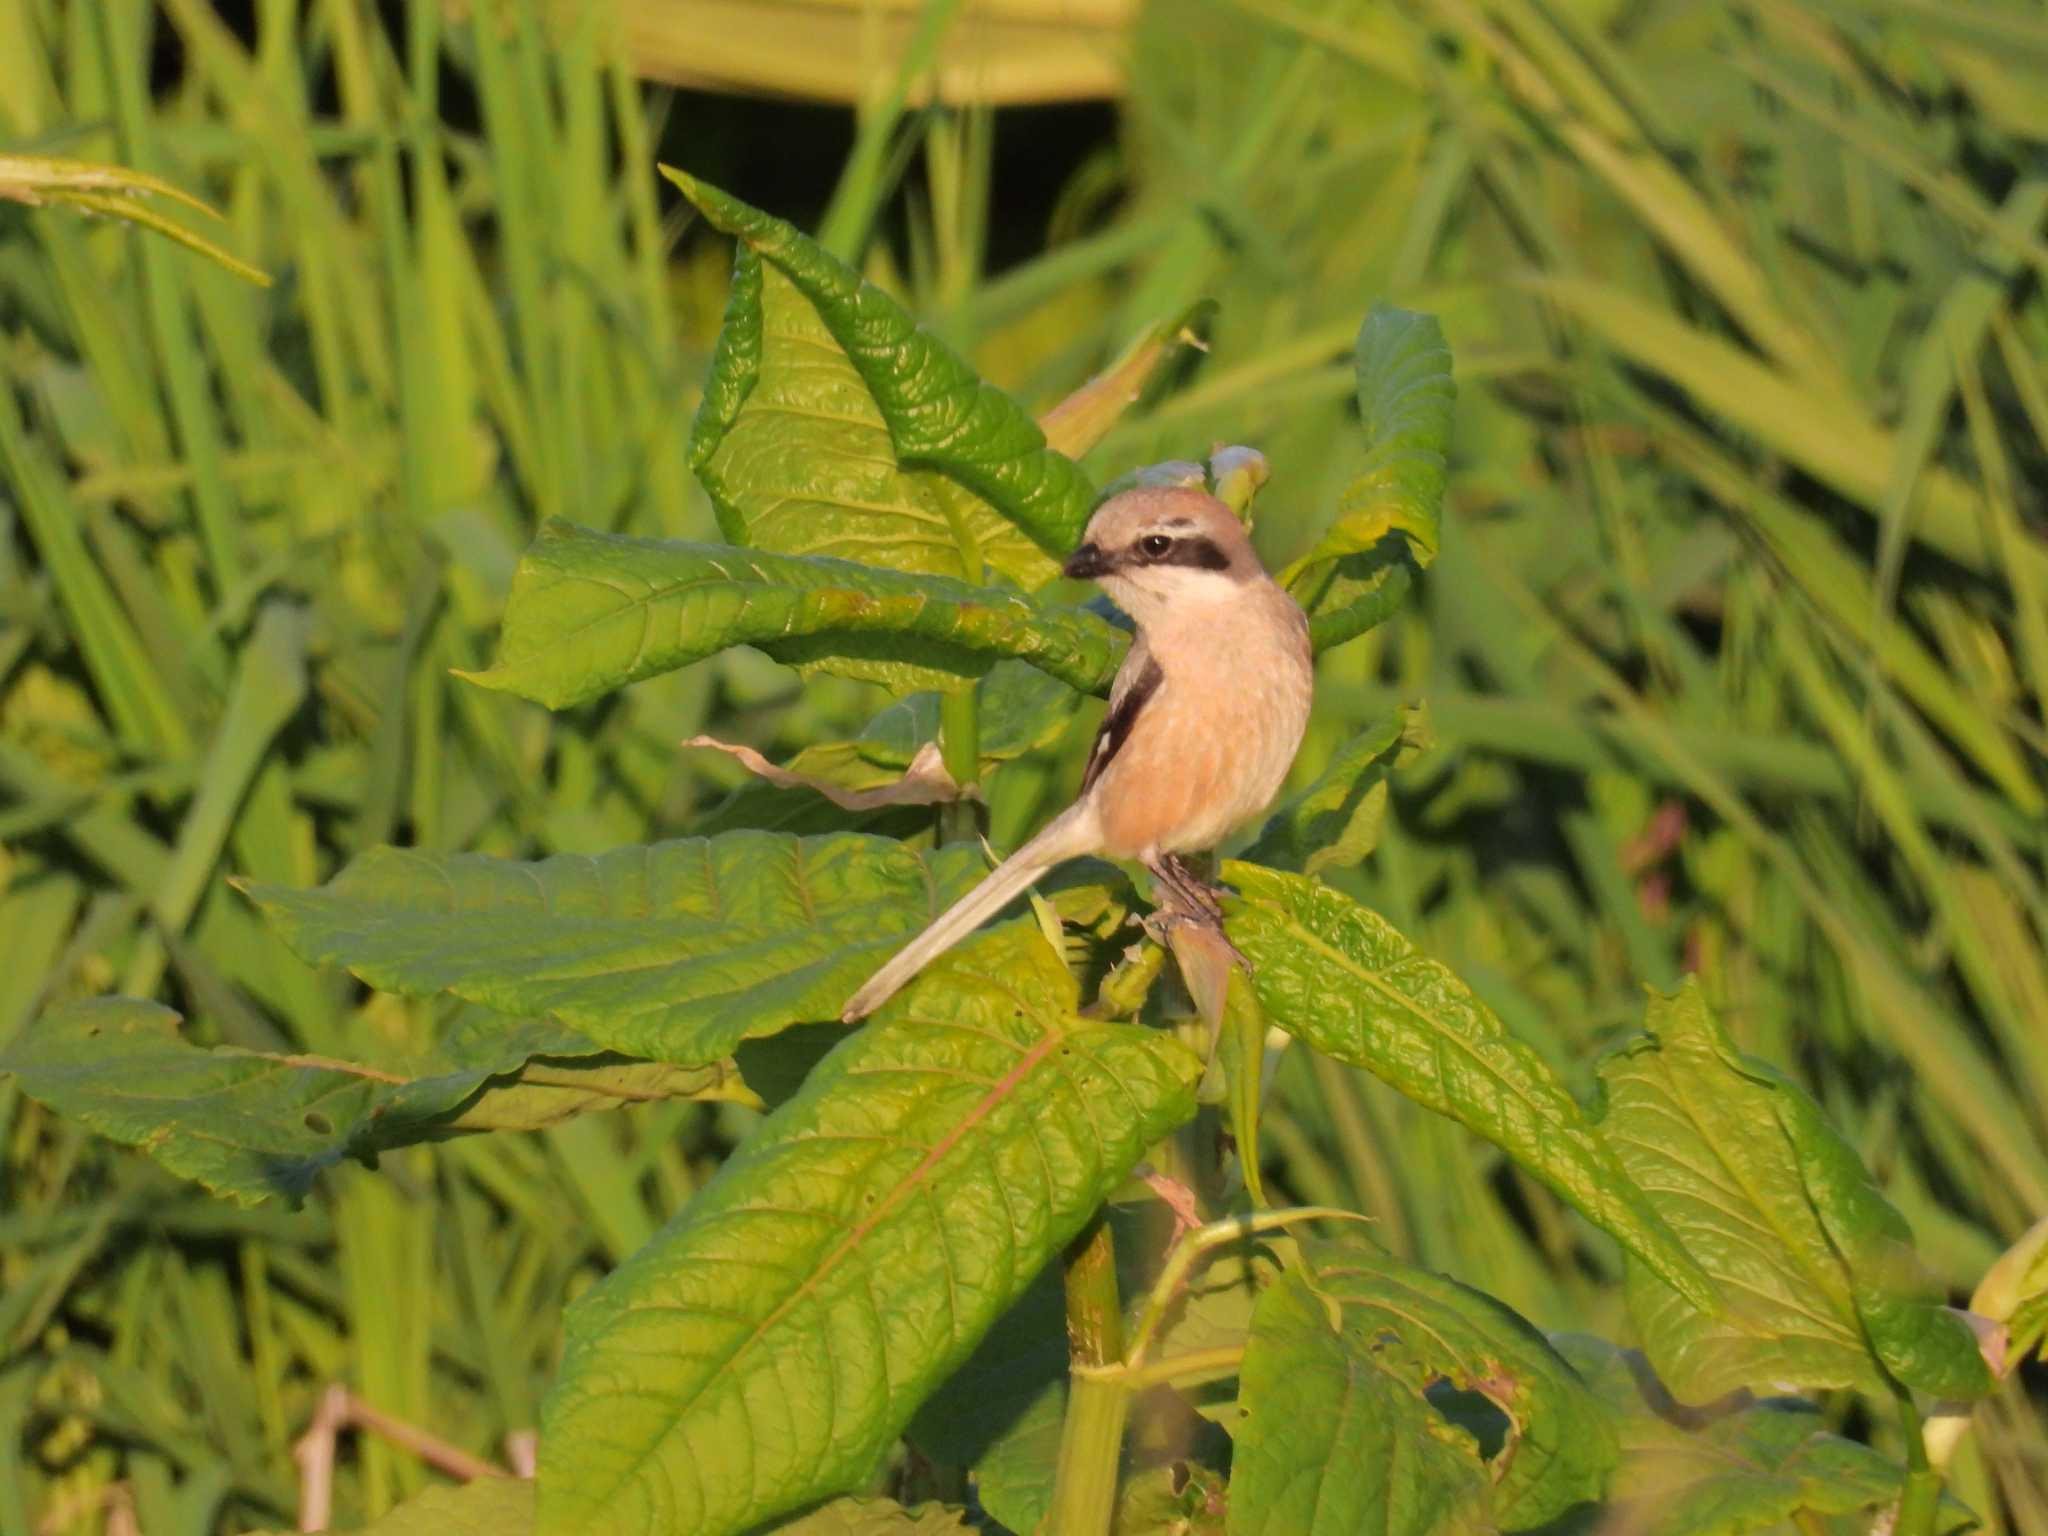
{"type": "Point", "coordinates": [1092, 1436]}
{"type": "Point", "coordinates": [960, 749]}
{"type": "Point", "coordinates": [1920, 1500]}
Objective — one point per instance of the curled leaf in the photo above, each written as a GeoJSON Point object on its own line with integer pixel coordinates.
{"type": "Point", "coordinates": [1388, 524]}
{"type": "Point", "coordinates": [924, 782]}
{"type": "Point", "coordinates": [937, 409]}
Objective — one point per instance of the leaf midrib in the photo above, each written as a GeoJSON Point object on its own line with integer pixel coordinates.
{"type": "Point", "coordinates": [855, 1236]}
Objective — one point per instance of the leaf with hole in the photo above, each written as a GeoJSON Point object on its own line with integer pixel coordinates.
{"type": "Point", "coordinates": [1334, 1436]}
{"type": "Point", "coordinates": [1547, 1439]}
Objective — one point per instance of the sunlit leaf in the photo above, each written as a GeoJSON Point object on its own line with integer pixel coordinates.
{"type": "Point", "coordinates": [1000, 1413]}
{"type": "Point", "coordinates": [797, 455]}
{"type": "Point", "coordinates": [1081, 420]}
{"type": "Point", "coordinates": [1339, 977]}
{"type": "Point", "coordinates": [854, 1250]}
{"type": "Point", "coordinates": [1820, 1284]}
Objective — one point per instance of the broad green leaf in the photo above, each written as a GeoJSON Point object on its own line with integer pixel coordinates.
{"type": "Point", "coordinates": [938, 411]}
{"type": "Point", "coordinates": [1820, 1284]}
{"type": "Point", "coordinates": [1338, 976]}
{"type": "Point", "coordinates": [591, 612]}
{"type": "Point", "coordinates": [1559, 1446]}
{"type": "Point", "coordinates": [1333, 1434]}
{"type": "Point", "coordinates": [796, 455]}
{"type": "Point", "coordinates": [878, 1517]}
{"type": "Point", "coordinates": [1741, 1465]}
{"type": "Point", "coordinates": [1336, 820]}
{"type": "Point", "coordinates": [118, 193]}
{"type": "Point", "coordinates": [253, 1125]}
{"type": "Point", "coordinates": [490, 1506]}
{"type": "Point", "coordinates": [854, 1251]}
{"type": "Point", "coordinates": [1389, 522]}
{"type": "Point", "coordinates": [674, 951]}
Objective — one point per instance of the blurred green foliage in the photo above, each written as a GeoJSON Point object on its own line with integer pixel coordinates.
{"type": "Point", "coordinates": [1734, 653]}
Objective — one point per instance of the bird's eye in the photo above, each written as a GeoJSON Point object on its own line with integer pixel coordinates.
{"type": "Point", "coordinates": [1155, 544]}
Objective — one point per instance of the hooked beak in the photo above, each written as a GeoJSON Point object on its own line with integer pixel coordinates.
{"type": "Point", "coordinates": [1085, 564]}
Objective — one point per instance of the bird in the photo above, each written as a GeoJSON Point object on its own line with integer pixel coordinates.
{"type": "Point", "coordinates": [1205, 714]}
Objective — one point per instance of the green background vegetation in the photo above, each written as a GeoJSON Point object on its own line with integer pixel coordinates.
{"type": "Point", "coordinates": [1734, 653]}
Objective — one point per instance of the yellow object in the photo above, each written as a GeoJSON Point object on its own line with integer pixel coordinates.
{"type": "Point", "coordinates": [997, 52]}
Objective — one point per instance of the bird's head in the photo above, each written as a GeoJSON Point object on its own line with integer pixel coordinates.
{"type": "Point", "coordinates": [1157, 549]}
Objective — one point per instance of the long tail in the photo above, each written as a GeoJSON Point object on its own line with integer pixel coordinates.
{"type": "Point", "coordinates": [1066, 836]}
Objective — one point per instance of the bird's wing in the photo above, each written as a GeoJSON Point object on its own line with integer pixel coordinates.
{"type": "Point", "coordinates": [1137, 680]}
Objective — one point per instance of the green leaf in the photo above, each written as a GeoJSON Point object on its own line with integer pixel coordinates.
{"type": "Point", "coordinates": [878, 1517]}
{"type": "Point", "coordinates": [1334, 1436]}
{"type": "Point", "coordinates": [1338, 976]}
{"type": "Point", "coordinates": [252, 1125]}
{"type": "Point", "coordinates": [773, 1341]}
{"type": "Point", "coordinates": [591, 612]}
{"type": "Point", "coordinates": [1821, 1285]}
{"type": "Point", "coordinates": [1336, 821]}
{"type": "Point", "coordinates": [1559, 1445]}
{"type": "Point", "coordinates": [938, 410]}
{"type": "Point", "coordinates": [674, 951]}
{"type": "Point", "coordinates": [490, 1506]}
{"type": "Point", "coordinates": [797, 457]}
{"type": "Point", "coordinates": [1389, 522]}
{"type": "Point", "coordinates": [1741, 1465]}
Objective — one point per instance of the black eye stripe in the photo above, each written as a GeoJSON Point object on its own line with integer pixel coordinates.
{"type": "Point", "coordinates": [1199, 553]}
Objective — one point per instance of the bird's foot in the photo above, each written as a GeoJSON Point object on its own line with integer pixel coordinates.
{"type": "Point", "coordinates": [1184, 900]}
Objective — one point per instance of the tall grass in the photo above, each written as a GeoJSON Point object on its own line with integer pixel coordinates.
{"type": "Point", "coordinates": [1734, 656]}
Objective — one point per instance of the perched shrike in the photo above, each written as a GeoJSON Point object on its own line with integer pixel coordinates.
{"type": "Point", "coordinates": [1204, 716]}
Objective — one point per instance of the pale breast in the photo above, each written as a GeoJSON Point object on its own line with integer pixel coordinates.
{"type": "Point", "coordinates": [1215, 740]}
